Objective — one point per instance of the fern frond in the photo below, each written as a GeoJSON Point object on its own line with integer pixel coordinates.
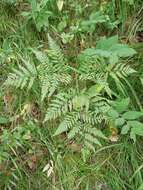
{"type": "Point", "coordinates": [52, 70]}
{"type": "Point", "coordinates": [92, 140]}
{"type": "Point", "coordinates": [22, 77]}
{"type": "Point", "coordinates": [123, 70]}
{"type": "Point", "coordinates": [70, 121]}
{"type": "Point", "coordinates": [55, 53]}
{"type": "Point", "coordinates": [58, 106]}
{"type": "Point", "coordinates": [41, 56]}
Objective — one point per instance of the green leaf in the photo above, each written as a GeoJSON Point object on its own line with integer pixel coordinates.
{"type": "Point", "coordinates": [107, 43]}
{"type": "Point", "coordinates": [62, 128]}
{"type": "Point", "coordinates": [119, 122]}
{"type": "Point", "coordinates": [125, 129]}
{"type": "Point", "coordinates": [133, 136]}
{"type": "Point", "coordinates": [81, 101]}
{"type": "Point", "coordinates": [95, 89]}
{"type": "Point", "coordinates": [113, 114]}
{"type": "Point", "coordinates": [122, 50]}
{"type": "Point", "coordinates": [135, 124]}
{"type": "Point", "coordinates": [112, 46]}
{"type": "Point", "coordinates": [113, 58]}
{"type": "Point", "coordinates": [137, 127]}
{"type": "Point", "coordinates": [103, 53]}
{"type": "Point", "coordinates": [122, 105]}
{"type": "Point", "coordinates": [131, 115]}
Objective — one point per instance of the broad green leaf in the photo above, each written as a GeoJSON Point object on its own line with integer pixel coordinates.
{"type": "Point", "coordinates": [107, 43]}
{"type": "Point", "coordinates": [122, 105]}
{"type": "Point", "coordinates": [111, 45]}
{"type": "Point", "coordinates": [98, 17]}
{"type": "Point", "coordinates": [135, 124]}
{"type": "Point", "coordinates": [131, 115]}
{"type": "Point", "coordinates": [119, 122]}
{"type": "Point", "coordinates": [113, 114]}
{"type": "Point", "coordinates": [123, 50]}
{"type": "Point", "coordinates": [90, 24]}
{"type": "Point", "coordinates": [103, 53]}
{"type": "Point", "coordinates": [137, 127]}
{"type": "Point", "coordinates": [125, 129]}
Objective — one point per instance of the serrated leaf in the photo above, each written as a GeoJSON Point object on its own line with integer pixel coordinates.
{"type": "Point", "coordinates": [131, 115]}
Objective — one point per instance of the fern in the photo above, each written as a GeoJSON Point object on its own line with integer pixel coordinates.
{"type": "Point", "coordinates": [60, 105]}
{"type": "Point", "coordinates": [51, 72]}
{"type": "Point", "coordinates": [78, 113]}
{"type": "Point", "coordinates": [55, 52]}
{"type": "Point", "coordinates": [98, 65]}
{"type": "Point", "coordinates": [22, 77]}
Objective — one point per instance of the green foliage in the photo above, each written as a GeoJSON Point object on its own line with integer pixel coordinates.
{"type": "Point", "coordinates": [105, 63]}
{"type": "Point", "coordinates": [126, 120]}
{"type": "Point", "coordinates": [51, 72]}
{"type": "Point", "coordinates": [23, 76]}
{"type": "Point", "coordinates": [18, 137]}
{"type": "Point", "coordinates": [40, 13]}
